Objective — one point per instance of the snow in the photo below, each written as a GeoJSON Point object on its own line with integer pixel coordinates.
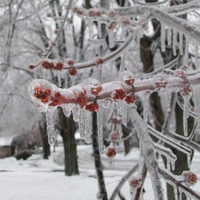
{"type": "Point", "coordinates": [38, 179]}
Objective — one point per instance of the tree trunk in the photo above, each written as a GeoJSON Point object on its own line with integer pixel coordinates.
{"type": "Point", "coordinates": [44, 138]}
{"type": "Point", "coordinates": [70, 152]}
{"type": "Point", "coordinates": [102, 194]}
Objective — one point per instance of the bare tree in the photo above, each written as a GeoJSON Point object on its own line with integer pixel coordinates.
{"type": "Point", "coordinates": [126, 29]}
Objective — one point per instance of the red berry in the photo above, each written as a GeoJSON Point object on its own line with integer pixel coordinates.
{"type": "Point", "coordinates": [111, 152]}
{"type": "Point", "coordinates": [31, 66]}
{"type": "Point", "coordinates": [59, 66]}
{"type": "Point", "coordinates": [72, 71]}
{"type": "Point", "coordinates": [190, 177]}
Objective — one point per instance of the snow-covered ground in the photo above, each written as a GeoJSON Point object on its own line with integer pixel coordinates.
{"type": "Point", "coordinates": [38, 179]}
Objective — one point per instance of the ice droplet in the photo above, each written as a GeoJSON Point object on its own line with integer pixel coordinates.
{"type": "Point", "coordinates": [100, 127]}
{"type": "Point", "coordinates": [50, 126]}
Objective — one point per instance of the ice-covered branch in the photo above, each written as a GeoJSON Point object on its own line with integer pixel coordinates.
{"type": "Point", "coordinates": [166, 18]}
{"type": "Point", "coordinates": [123, 180]}
{"type": "Point", "coordinates": [188, 178]}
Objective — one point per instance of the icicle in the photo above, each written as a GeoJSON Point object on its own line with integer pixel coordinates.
{"type": "Point", "coordinates": [124, 113]}
{"type": "Point", "coordinates": [145, 99]}
{"type": "Point", "coordinates": [169, 36]}
{"type": "Point", "coordinates": [50, 126]}
{"type": "Point", "coordinates": [76, 113]}
{"type": "Point", "coordinates": [168, 98]}
{"type": "Point", "coordinates": [196, 55]}
{"type": "Point", "coordinates": [88, 127]}
{"type": "Point", "coordinates": [100, 127]}
{"type": "Point", "coordinates": [174, 41]}
{"type": "Point", "coordinates": [181, 43]}
{"type": "Point", "coordinates": [185, 114]}
{"type": "Point", "coordinates": [99, 29]}
{"type": "Point", "coordinates": [111, 38]}
{"type": "Point", "coordinates": [90, 27]}
{"type": "Point", "coordinates": [162, 38]}
{"type": "Point", "coordinates": [186, 50]}
{"type": "Point", "coordinates": [82, 123]}
{"type": "Point", "coordinates": [59, 79]}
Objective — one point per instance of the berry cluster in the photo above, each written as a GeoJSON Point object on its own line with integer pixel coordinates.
{"type": "Point", "coordinates": [92, 107]}
{"type": "Point", "coordinates": [160, 83]}
{"type": "Point", "coordinates": [57, 99]}
{"type": "Point", "coordinates": [42, 94]}
{"type": "Point", "coordinates": [111, 152]}
{"type": "Point", "coordinates": [125, 21]}
{"type": "Point", "coordinates": [81, 97]}
{"type": "Point", "coordinates": [95, 89]}
{"type": "Point", "coordinates": [95, 12]}
{"type": "Point", "coordinates": [112, 25]}
{"type": "Point", "coordinates": [78, 11]}
{"type": "Point", "coordinates": [130, 99]}
{"type": "Point", "coordinates": [135, 182]}
{"type": "Point", "coordinates": [119, 94]}
{"type": "Point", "coordinates": [111, 13]}
{"type": "Point", "coordinates": [186, 91]}
{"type": "Point", "coordinates": [50, 65]}
{"type": "Point", "coordinates": [72, 71]}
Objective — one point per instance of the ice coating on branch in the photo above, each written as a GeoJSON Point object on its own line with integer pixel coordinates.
{"type": "Point", "coordinates": [93, 85]}
{"type": "Point", "coordinates": [100, 127]}
{"type": "Point", "coordinates": [40, 92]}
{"type": "Point", "coordinates": [50, 126]}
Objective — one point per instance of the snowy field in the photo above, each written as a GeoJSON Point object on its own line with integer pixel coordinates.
{"type": "Point", "coordinates": [38, 179]}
